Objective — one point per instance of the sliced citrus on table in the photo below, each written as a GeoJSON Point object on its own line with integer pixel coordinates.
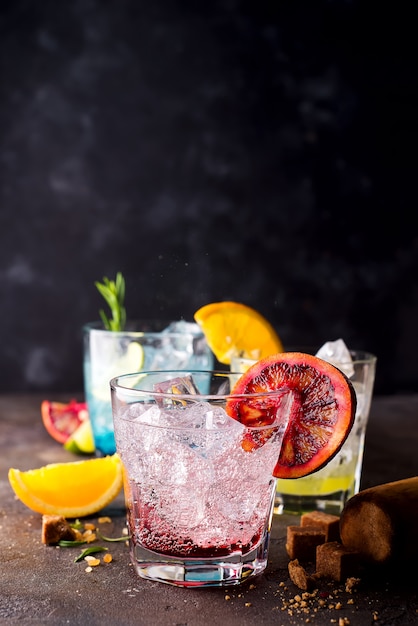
{"type": "Point", "coordinates": [322, 409]}
{"type": "Point", "coordinates": [73, 489]}
{"type": "Point", "coordinates": [81, 441]}
{"type": "Point", "coordinates": [232, 328]}
{"type": "Point", "coordinates": [62, 419]}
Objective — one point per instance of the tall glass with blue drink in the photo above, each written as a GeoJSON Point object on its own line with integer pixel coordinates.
{"type": "Point", "coordinates": [141, 346]}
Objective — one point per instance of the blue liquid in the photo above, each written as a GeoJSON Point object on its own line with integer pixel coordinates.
{"type": "Point", "coordinates": [105, 444]}
{"type": "Point", "coordinates": [174, 355]}
{"type": "Point", "coordinates": [101, 420]}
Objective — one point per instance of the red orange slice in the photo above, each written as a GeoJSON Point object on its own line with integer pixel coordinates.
{"type": "Point", "coordinates": [62, 419]}
{"type": "Point", "coordinates": [322, 413]}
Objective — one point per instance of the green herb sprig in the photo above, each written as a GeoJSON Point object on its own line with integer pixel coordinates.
{"type": "Point", "coordinates": [88, 552]}
{"type": "Point", "coordinates": [114, 539]}
{"type": "Point", "coordinates": [113, 291]}
{"type": "Point", "coordinates": [67, 543]}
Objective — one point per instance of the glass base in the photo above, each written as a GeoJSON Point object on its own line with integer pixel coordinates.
{"type": "Point", "coordinates": [332, 503]}
{"type": "Point", "coordinates": [209, 572]}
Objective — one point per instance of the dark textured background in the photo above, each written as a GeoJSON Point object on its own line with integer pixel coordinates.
{"type": "Point", "coordinates": [257, 151]}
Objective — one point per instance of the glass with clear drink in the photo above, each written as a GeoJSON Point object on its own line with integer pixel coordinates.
{"type": "Point", "coordinates": [329, 488]}
{"type": "Point", "coordinates": [142, 345]}
{"type": "Point", "coordinates": [199, 488]}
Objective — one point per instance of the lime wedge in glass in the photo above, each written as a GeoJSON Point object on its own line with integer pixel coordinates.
{"type": "Point", "coordinates": [129, 360]}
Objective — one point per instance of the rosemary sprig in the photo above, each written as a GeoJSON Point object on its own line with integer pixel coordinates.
{"type": "Point", "coordinates": [103, 538]}
{"type": "Point", "coordinates": [88, 551]}
{"type": "Point", "coordinates": [113, 291]}
{"type": "Point", "coordinates": [65, 543]}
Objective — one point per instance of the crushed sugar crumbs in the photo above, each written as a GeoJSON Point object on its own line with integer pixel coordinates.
{"type": "Point", "coordinates": [337, 601]}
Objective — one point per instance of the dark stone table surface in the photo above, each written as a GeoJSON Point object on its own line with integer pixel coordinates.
{"type": "Point", "coordinates": [43, 585]}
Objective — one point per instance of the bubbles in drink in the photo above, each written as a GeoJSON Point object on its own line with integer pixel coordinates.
{"type": "Point", "coordinates": [195, 479]}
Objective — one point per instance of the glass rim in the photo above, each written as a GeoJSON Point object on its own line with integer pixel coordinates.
{"type": "Point", "coordinates": [281, 418]}
{"type": "Point", "coordinates": [358, 356]}
{"type": "Point", "coordinates": [98, 327]}
{"type": "Point", "coordinates": [114, 385]}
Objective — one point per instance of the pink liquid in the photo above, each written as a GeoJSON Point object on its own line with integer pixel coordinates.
{"type": "Point", "coordinates": [153, 533]}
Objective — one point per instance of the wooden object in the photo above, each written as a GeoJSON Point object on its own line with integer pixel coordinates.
{"type": "Point", "coordinates": [381, 522]}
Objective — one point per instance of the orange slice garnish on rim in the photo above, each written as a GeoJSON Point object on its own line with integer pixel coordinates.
{"type": "Point", "coordinates": [232, 328]}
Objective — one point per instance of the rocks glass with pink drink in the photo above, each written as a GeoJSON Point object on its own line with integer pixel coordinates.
{"type": "Point", "coordinates": [198, 484]}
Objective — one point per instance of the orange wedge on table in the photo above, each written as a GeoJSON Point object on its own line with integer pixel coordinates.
{"type": "Point", "coordinates": [73, 489]}
{"type": "Point", "coordinates": [232, 328]}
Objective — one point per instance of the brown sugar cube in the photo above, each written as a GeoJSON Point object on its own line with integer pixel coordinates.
{"type": "Point", "coordinates": [336, 562]}
{"type": "Point", "coordinates": [302, 541]}
{"type": "Point", "coordinates": [56, 528]}
{"type": "Point", "coordinates": [330, 524]}
{"type": "Point", "coordinates": [300, 577]}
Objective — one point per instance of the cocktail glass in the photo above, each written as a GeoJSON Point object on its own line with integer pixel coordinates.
{"type": "Point", "coordinates": [198, 484]}
{"type": "Point", "coordinates": [329, 488]}
{"type": "Point", "coordinates": [142, 345]}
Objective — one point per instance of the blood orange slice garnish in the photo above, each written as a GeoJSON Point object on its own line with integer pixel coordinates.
{"type": "Point", "coordinates": [62, 419]}
{"type": "Point", "coordinates": [322, 413]}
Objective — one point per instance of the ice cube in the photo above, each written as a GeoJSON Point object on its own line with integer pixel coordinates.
{"type": "Point", "coordinates": [337, 353]}
{"type": "Point", "coordinates": [151, 416]}
{"type": "Point", "coordinates": [181, 385]}
{"type": "Point", "coordinates": [206, 429]}
{"type": "Point", "coordinates": [363, 403]}
{"type": "Point", "coordinates": [211, 417]}
{"type": "Point", "coordinates": [176, 387]}
{"type": "Point", "coordinates": [182, 327]}
{"type": "Point", "coordinates": [170, 352]}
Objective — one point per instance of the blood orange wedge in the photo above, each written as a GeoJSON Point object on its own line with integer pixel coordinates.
{"type": "Point", "coordinates": [322, 413]}
{"type": "Point", "coordinates": [74, 489]}
{"type": "Point", "coordinates": [232, 328]}
{"type": "Point", "coordinates": [62, 419]}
